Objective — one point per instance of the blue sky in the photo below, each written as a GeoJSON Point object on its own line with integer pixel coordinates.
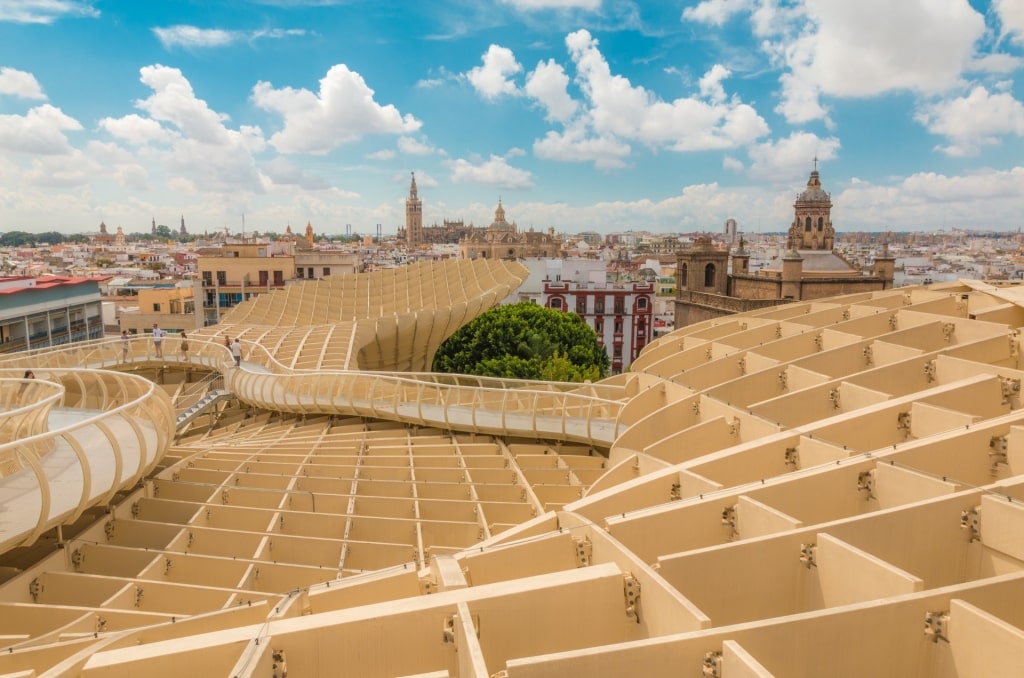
{"type": "Point", "coordinates": [605, 115]}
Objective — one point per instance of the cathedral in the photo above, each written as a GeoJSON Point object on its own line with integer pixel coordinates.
{"type": "Point", "coordinates": [810, 268]}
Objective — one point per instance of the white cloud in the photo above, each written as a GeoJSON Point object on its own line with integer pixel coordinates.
{"type": "Point", "coordinates": [343, 111]}
{"type": "Point", "coordinates": [711, 83]}
{"type": "Point", "coordinates": [411, 146]}
{"type": "Point", "coordinates": [491, 80]}
{"type": "Point", "coordinates": [136, 129]}
{"type": "Point", "coordinates": [20, 84]}
{"type": "Point", "coordinates": [283, 171]}
{"type": "Point", "coordinates": [716, 12]}
{"type": "Point", "coordinates": [383, 154]}
{"type": "Point", "coordinates": [530, 5]}
{"type": "Point", "coordinates": [193, 36]}
{"type": "Point", "coordinates": [1011, 14]}
{"type": "Point", "coordinates": [786, 159]}
{"type": "Point", "coordinates": [976, 120]}
{"type": "Point", "coordinates": [494, 172]}
{"type": "Point", "coordinates": [45, 11]}
{"type": "Point", "coordinates": [423, 180]}
{"type": "Point", "coordinates": [573, 145]}
{"type": "Point", "coordinates": [631, 112]}
{"type": "Point", "coordinates": [185, 141]}
{"type": "Point", "coordinates": [548, 84]}
{"type": "Point", "coordinates": [41, 131]}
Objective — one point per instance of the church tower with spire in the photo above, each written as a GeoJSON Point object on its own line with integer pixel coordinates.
{"type": "Point", "coordinates": [413, 217]}
{"type": "Point", "coordinates": [812, 225]}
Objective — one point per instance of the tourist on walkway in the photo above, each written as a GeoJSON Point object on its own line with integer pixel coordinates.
{"type": "Point", "coordinates": [184, 345]}
{"type": "Point", "coordinates": [125, 343]}
{"type": "Point", "coordinates": [236, 352]}
{"type": "Point", "coordinates": [158, 341]}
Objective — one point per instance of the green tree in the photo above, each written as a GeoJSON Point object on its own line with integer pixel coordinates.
{"type": "Point", "coordinates": [524, 341]}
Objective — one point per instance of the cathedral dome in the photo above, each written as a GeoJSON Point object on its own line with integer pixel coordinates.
{"type": "Point", "coordinates": [814, 191]}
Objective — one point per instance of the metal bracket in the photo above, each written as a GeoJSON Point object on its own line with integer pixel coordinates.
{"type": "Point", "coordinates": [783, 380]}
{"type": "Point", "coordinates": [947, 331]}
{"type": "Point", "coordinates": [631, 591]}
{"type": "Point", "coordinates": [139, 595]}
{"type": "Point", "coordinates": [729, 519]}
{"type": "Point", "coordinates": [998, 447]}
{"type": "Point", "coordinates": [819, 341]}
{"type": "Point", "coordinates": [676, 492]}
{"type": "Point", "coordinates": [77, 558]}
{"type": "Point", "coordinates": [711, 667]}
{"type": "Point", "coordinates": [809, 554]}
{"type": "Point", "coordinates": [792, 457]}
{"type": "Point", "coordinates": [428, 585]}
{"type": "Point", "coordinates": [34, 589]}
{"type": "Point", "coordinates": [936, 625]}
{"type": "Point", "coordinates": [278, 664]}
{"type": "Point", "coordinates": [108, 529]}
{"type": "Point", "coordinates": [866, 483]}
{"type": "Point", "coordinates": [834, 398]}
{"type": "Point", "coordinates": [1010, 389]}
{"type": "Point", "coordinates": [903, 422]}
{"type": "Point", "coordinates": [869, 357]}
{"type": "Point", "coordinates": [584, 551]}
{"type": "Point", "coordinates": [970, 520]}
{"type": "Point", "coordinates": [135, 509]}
{"type": "Point", "coordinates": [929, 371]}
{"type": "Point", "coordinates": [742, 363]}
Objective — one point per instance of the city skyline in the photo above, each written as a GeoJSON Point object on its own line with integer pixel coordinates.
{"type": "Point", "coordinates": [582, 115]}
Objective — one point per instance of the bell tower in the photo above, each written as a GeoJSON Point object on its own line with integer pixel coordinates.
{"type": "Point", "coordinates": [812, 225]}
{"type": "Point", "coordinates": [413, 216]}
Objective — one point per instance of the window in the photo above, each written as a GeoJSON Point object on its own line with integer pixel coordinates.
{"type": "Point", "coordinates": [618, 327]}
{"type": "Point", "coordinates": [641, 303]}
{"type": "Point", "coordinates": [207, 278]}
{"type": "Point", "coordinates": [598, 304]}
{"type": "Point", "coordinates": [327, 271]}
{"type": "Point", "coordinates": [300, 273]}
{"type": "Point", "coordinates": [556, 303]}
{"type": "Point", "coordinates": [156, 308]}
{"type": "Point", "coordinates": [278, 277]}
{"type": "Point", "coordinates": [617, 351]}
{"type": "Point", "coordinates": [682, 276]}
{"type": "Point", "coordinates": [599, 326]}
{"type": "Point", "coordinates": [620, 305]}
{"type": "Point", "coordinates": [263, 278]}
{"type": "Point", "coordinates": [709, 275]}
{"type": "Point", "coordinates": [222, 278]}
{"type": "Point", "coordinates": [821, 222]}
{"type": "Point", "coordinates": [310, 271]}
{"type": "Point", "coordinates": [807, 224]}
{"type": "Point", "coordinates": [581, 305]}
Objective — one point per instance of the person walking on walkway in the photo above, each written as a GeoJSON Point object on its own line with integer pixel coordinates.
{"type": "Point", "coordinates": [158, 341]}
{"type": "Point", "coordinates": [125, 343]}
{"type": "Point", "coordinates": [236, 352]}
{"type": "Point", "coordinates": [184, 345]}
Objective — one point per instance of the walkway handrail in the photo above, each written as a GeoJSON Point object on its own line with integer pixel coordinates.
{"type": "Point", "coordinates": [118, 427]}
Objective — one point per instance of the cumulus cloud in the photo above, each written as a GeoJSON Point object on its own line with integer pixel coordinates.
{"type": "Point", "coordinates": [975, 120]}
{"type": "Point", "coordinates": [41, 131]}
{"type": "Point", "coordinates": [574, 145]}
{"type": "Point", "coordinates": [788, 158]}
{"type": "Point", "coordinates": [45, 11]}
{"type": "Point", "coordinates": [20, 84]}
{"type": "Point", "coordinates": [1011, 15]}
{"type": "Point", "coordinates": [343, 111]}
{"type": "Point", "coordinates": [383, 154]}
{"type": "Point", "coordinates": [492, 78]}
{"type": "Point", "coordinates": [283, 171]}
{"type": "Point", "coordinates": [632, 113]}
{"type": "Point", "coordinates": [858, 49]}
{"type": "Point", "coordinates": [495, 171]}
{"type": "Point", "coordinates": [716, 12]}
{"type": "Point", "coordinates": [412, 146]}
{"type": "Point", "coordinates": [548, 85]}
{"type": "Point", "coordinates": [186, 140]}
